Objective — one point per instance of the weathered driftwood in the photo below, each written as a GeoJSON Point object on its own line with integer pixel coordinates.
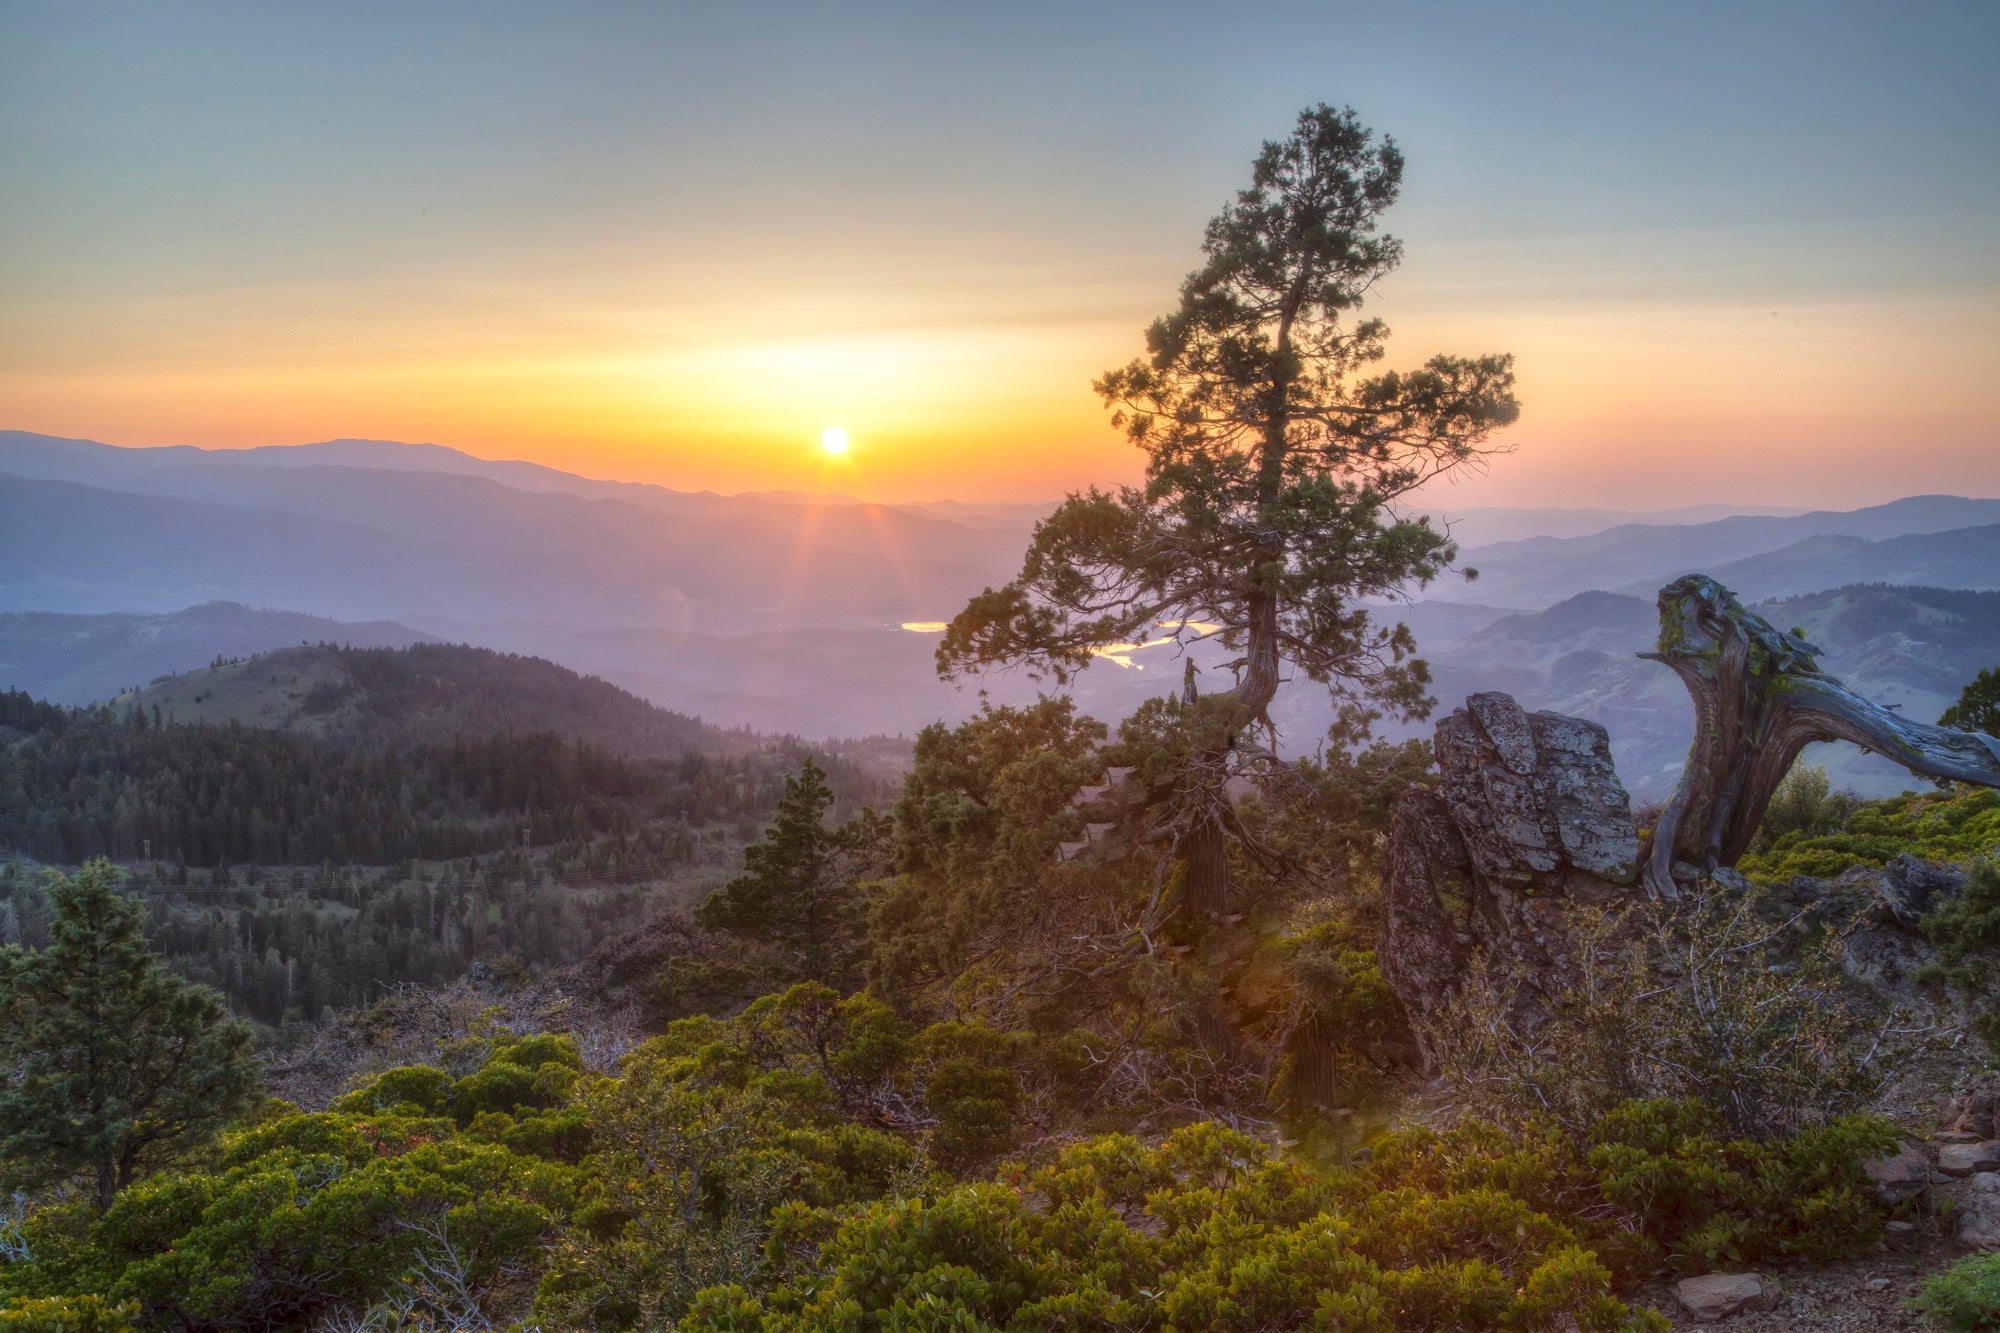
{"type": "Point", "coordinates": [1760, 698]}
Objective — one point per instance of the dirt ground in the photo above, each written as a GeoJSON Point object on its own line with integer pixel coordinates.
{"type": "Point", "coordinates": [1843, 1297]}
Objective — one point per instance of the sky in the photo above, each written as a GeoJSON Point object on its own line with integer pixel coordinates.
{"type": "Point", "coordinates": [1742, 252]}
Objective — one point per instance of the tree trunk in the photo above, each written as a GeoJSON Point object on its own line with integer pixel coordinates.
{"type": "Point", "coordinates": [1204, 851]}
{"type": "Point", "coordinates": [1205, 870]}
{"type": "Point", "coordinates": [1760, 698]}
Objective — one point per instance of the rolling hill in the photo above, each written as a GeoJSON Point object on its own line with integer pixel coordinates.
{"type": "Point", "coordinates": [425, 693]}
{"type": "Point", "coordinates": [81, 659]}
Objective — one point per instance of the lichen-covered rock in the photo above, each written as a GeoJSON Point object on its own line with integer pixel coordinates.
{"type": "Point", "coordinates": [1910, 887]}
{"type": "Point", "coordinates": [1529, 816]}
{"type": "Point", "coordinates": [1974, 1108]}
{"type": "Point", "coordinates": [1535, 795]}
{"type": "Point", "coordinates": [1427, 861]}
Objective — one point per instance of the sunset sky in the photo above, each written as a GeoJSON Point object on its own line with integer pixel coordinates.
{"type": "Point", "coordinates": [1743, 252]}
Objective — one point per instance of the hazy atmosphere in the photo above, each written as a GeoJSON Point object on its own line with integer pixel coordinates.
{"type": "Point", "coordinates": [792, 668]}
{"type": "Point", "coordinates": [1742, 252]}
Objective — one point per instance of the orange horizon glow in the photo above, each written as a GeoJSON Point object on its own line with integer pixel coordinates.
{"type": "Point", "coordinates": [1623, 408]}
{"type": "Point", "coordinates": [674, 244]}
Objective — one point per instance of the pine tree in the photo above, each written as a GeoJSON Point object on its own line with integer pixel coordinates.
{"type": "Point", "coordinates": [1978, 706]}
{"type": "Point", "coordinates": [113, 1061]}
{"type": "Point", "coordinates": [1279, 469]}
{"type": "Point", "coordinates": [798, 888]}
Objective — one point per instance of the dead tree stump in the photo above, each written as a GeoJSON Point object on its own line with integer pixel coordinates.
{"type": "Point", "coordinates": [1760, 698]}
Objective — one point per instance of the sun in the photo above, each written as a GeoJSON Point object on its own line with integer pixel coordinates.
{"type": "Point", "coordinates": [834, 440]}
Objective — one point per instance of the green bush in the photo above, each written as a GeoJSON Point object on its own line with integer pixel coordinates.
{"type": "Point", "coordinates": [1208, 1231]}
{"type": "Point", "coordinates": [1958, 826]}
{"type": "Point", "coordinates": [1662, 1183]}
{"type": "Point", "coordinates": [1965, 1298]}
{"type": "Point", "coordinates": [67, 1314]}
{"type": "Point", "coordinates": [310, 1215]}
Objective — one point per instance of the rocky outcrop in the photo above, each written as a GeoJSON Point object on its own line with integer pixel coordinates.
{"type": "Point", "coordinates": [1528, 818]}
{"type": "Point", "coordinates": [1535, 797]}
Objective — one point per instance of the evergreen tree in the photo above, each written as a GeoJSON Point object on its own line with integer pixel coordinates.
{"type": "Point", "coordinates": [1277, 467]}
{"type": "Point", "coordinates": [798, 888]}
{"type": "Point", "coordinates": [111, 1061]}
{"type": "Point", "coordinates": [1978, 706]}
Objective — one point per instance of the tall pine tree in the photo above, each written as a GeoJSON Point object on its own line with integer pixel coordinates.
{"type": "Point", "coordinates": [1280, 470]}
{"type": "Point", "coordinates": [110, 1061]}
{"type": "Point", "coordinates": [799, 886]}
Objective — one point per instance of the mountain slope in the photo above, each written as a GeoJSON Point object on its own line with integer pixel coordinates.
{"type": "Point", "coordinates": [1960, 558]}
{"type": "Point", "coordinates": [425, 693]}
{"type": "Point", "coordinates": [81, 659]}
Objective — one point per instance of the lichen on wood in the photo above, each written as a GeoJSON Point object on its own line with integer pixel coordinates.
{"type": "Point", "coordinates": [1760, 698]}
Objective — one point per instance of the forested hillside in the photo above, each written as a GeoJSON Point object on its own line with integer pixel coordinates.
{"type": "Point", "coordinates": [425, 692]}
{"type": "Point", "coordinates": [78, 659]}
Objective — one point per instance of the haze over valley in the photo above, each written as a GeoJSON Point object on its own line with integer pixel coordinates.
{"type": "Point", "coordinates": [788, 613]}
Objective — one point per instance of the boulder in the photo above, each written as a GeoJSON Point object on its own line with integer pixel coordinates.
{"type": "Point", "coordinates": [1979, 1212]}
{"type": "Point", "coordinates": [1900, 1177]}
{"type": "Point", "coordinates": [1965, 1159]}
{"type": "Point", "coordinates": [1720, 1295]}
{"type": "Point", "coordinates": [1535, 795]}
{"type": "Point", "coordinates": [1529, 816]}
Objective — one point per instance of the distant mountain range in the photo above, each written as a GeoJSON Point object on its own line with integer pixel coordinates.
{"type": "Point", "coordinates": [1539, 571]}
{"type": "Point", "coordinates": [786, 612]}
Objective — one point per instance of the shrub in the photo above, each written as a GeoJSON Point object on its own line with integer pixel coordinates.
{"type": "Point", "coordinates": [314, 1216]}
{"type": "Point", "coordinates": [1958, 826]}
{"type": "Point", "coordinates": [1705, 1202]}
{"type": "Point", "coordinates": [713, 1128]}
{"type": "Point", "coordinates": [1804, 806]}
{"type": "Point", "coordinates": [1207, 1231]}
{"type": "Point", "coordinates": [1658, 1181]}
{"type": "Point", "coordinates": [1965, 1298]}
{"type": "Point", "coordinates": [67, 1314]}
{"type": "Point", "coordinates": [1701, 1000]}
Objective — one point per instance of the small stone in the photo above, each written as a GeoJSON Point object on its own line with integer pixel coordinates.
{"type": "Point", "coordinates": [1900, 1234]}
{"type": "Point", "coordinates": [1957, 1136]}
{"type": "Point", "coordinates": [1876, 1284]}
{"type": "Point", "coordinates": [1900, 1177]}
{"type": "Point", "coordinates": [1964, 1159]}
{"type": "Point", "coordinates": [1720, 1295]}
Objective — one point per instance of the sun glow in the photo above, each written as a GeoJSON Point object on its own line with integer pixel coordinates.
{"type": "Point", "coordinates": [833, 440]}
